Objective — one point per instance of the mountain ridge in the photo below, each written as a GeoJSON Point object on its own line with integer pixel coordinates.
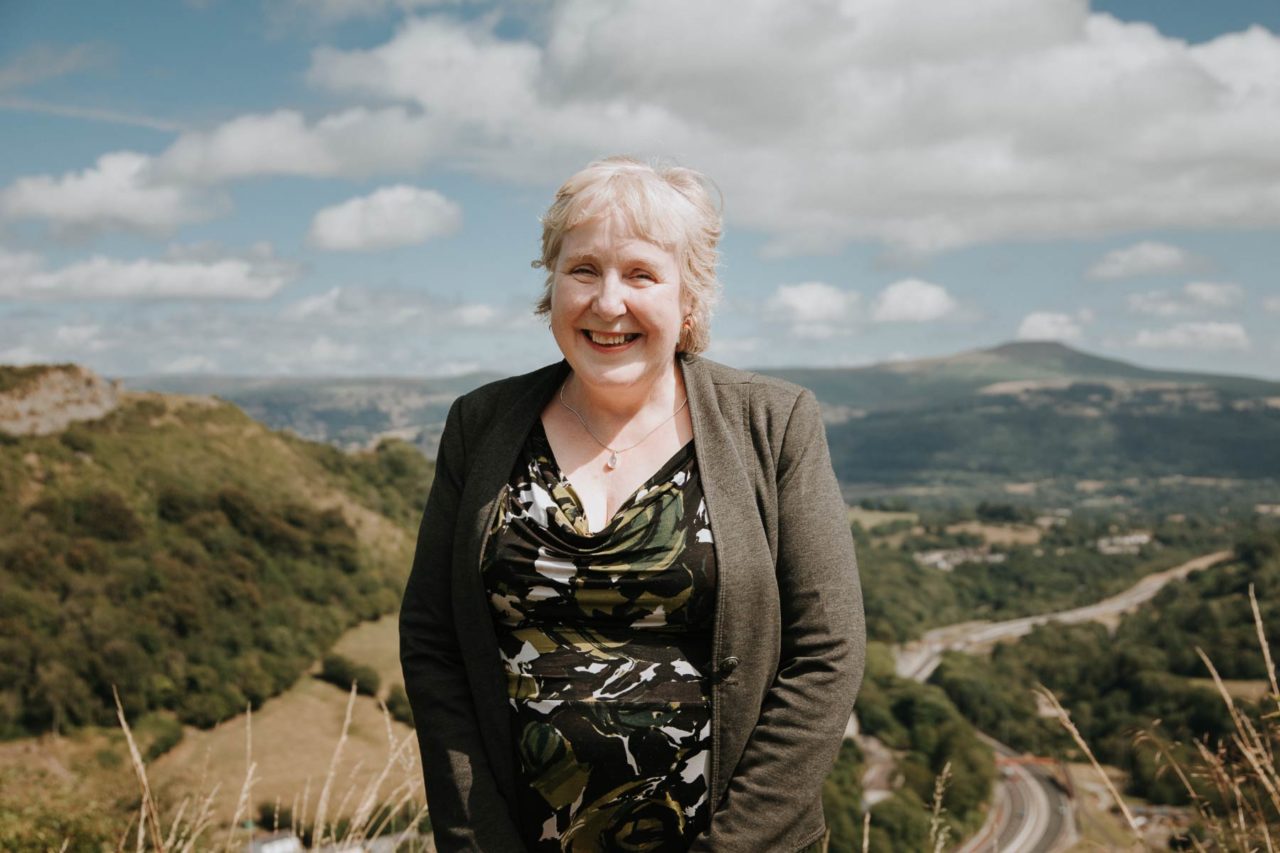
{"type": "Point", "coordinates": [895, 384]}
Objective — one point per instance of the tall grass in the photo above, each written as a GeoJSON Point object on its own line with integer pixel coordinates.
{"type": "Point", "coordinates": [347, 813]}
{"type": "Point", "coordinates": [1234, 785]}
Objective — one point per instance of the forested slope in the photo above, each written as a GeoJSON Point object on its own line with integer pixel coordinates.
{"type": "Point", "coordinates": [189, 556]}
{"type": "Point", "coordinates": [1118, 685]}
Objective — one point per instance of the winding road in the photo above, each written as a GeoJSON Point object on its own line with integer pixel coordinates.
{"type": "Point", "coordinates": [1029, 812]}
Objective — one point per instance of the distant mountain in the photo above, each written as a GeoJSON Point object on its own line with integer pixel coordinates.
{"type": "Point", "coordinates": [177, 549]}
{"type": "Point", "coordinates": [1059, 424]}
{"type": "Point", "coordinates": [343, 411]}
{"type": "Point", "coordinates": [929, 381]}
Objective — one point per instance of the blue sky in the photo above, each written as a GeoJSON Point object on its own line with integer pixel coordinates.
{"type": "Point", "coordinates": [352, 186]}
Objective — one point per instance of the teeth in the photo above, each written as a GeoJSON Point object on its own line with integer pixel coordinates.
{"type": "Point", "coordinates": [609, 340]}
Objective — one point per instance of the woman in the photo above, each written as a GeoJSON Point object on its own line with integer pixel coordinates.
{"type": "Point", "coordinates": [633, 620]}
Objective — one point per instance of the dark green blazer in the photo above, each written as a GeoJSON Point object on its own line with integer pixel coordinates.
{"type": "Point", "coordinates": [788, 638]}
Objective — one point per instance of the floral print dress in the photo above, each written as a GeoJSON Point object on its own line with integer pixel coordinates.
{"type": "Point", "coordinates": [606, 639]}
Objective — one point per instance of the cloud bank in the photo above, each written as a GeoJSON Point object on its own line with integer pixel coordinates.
{"type": "Point", "coordinates": [921, 126]}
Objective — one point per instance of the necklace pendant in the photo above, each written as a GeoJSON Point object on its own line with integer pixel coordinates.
{"type": "Point", "coordinates": [613, 460]}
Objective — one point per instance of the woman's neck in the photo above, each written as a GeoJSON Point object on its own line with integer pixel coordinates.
{"type": "Point", "coordinates": [619, 411]}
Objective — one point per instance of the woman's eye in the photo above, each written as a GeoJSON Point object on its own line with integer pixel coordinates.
{"type": "Point", "coordinates": [643, 274]}
{"type": "Point", "coordinates": [582, 271]}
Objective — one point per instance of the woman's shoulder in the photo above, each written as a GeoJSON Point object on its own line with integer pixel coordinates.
{"type": "Point", "coordinates": [493, 398]}
{"type": "Point", "coordinates": [763, 390]}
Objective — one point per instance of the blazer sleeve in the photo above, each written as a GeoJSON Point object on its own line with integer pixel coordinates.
{"type": "Point", "coordinates": [468, 811]}
{"type": "Point", "coordinates": [823, 645]}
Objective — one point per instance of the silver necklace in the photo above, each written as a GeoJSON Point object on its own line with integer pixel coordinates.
{"type": "Point", "coordinates": [613, 454]}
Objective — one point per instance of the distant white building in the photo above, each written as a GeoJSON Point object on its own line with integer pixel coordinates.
{"type": "Point", "coordinates": [1126, 543]}
{"type": "Point", "coordinates": [946, 559]}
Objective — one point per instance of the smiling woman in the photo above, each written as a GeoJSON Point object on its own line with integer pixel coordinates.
{"type": "Point", "coordinates": [634, 619]}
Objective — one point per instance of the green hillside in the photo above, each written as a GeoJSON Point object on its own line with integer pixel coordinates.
{"type": "Point", "coordinates": [1084, 431]}
{"type": "Point", "coordinates": [190, 556]}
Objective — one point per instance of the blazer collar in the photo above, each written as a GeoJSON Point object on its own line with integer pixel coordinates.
{"type": "Point", "coordinates": [715, 437]}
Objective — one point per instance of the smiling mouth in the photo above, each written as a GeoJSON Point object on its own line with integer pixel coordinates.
{"type": "Point", "coordinates": [610, 339]}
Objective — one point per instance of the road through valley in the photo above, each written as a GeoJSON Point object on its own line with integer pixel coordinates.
{"type": "Point", "coordinates": [1029, 813]}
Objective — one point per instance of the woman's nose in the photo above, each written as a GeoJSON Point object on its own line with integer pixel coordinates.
{"type": "Point", "coordinates": [610, 301]}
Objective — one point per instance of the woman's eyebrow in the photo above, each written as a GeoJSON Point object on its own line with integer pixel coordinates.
{"type": "Point", "coordinates": [581, 257]}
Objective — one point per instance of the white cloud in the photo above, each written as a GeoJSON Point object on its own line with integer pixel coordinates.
{"type": "Point", "coordinates": [1146, 258]}
{"type": "Point", "coordinates": [474, 314]}
{"type": "Point", "coordinates": [1272, 304]}
{"type": "Point", "coordinates": [352, 143]}
{"type": "Point", "coordinates": [24, 354]}
{"type": "Point", "coordinates": [78, 335]}
{"type": "Point", "coordinates": [120, 192]}
{"type": "Point", "coordinates": [1049, 326]}
{"type": "Point", "coordinates": [1194, 297]}
{"type": "Point", "coordinates": [1214, 294]}
{"type": "Point", "coordinates": [316, 355]}
{"type": "Point", "coordinates": [925, 126]}
{"type": "Point", "coordinates": [392, 216]}
{"type": "Point", "coordinates": [43, 62]}
{"type": "Point", "coordinates": [191, 364]}
{"type": "Point", "coordinates": [89, 114]}
{"type": "Point", "coordinates": [182, 275]}
{"type": "Point", "coordinates": [321, 305]}
{"type": "Point", "coordinates": [912, 301]}
{"type": "Point", "coordinates": [382, 308]}
{"type": "Point", "coordinates": [1157, 303]}
{"type": "Point", "coordinates": [814, 309]}
{"type": "Point", "coordinates": [1195, 336]}
{"type": "Point", "coordinates": [996, 120]}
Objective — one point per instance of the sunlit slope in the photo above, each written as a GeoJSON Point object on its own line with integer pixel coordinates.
{"type": "Point", "coordinates": [182, 551]}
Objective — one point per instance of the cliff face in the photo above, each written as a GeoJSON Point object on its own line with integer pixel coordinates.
{"type": "Point", "coordinates": [40, 401]}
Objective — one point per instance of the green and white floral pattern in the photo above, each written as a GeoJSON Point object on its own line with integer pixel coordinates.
{"type": "Point", "coordinates": [606, 639]}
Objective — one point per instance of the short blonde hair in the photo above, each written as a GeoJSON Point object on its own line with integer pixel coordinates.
{"type": "Point", "coordinates": [667, 205]}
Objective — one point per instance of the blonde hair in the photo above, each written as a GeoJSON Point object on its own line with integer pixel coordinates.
{"type": "Point", "coordinates": [667, 205]}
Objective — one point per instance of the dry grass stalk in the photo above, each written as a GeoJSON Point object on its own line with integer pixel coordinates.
{"type": "Point", "coordinates": [172, 837]}
{"type": "Point", "coordinates": [373, 817]}
{"type": "Point", "coordinates": [124, 836]}
{"type": "Point", "coordinates": [866, 831]}
{"type": "Point", "coordinates": [1266, 648]}
{"type": "Point", "coordinates": [939, 831]}
{"type": "Point", "coordinates": [1246, 781]}
{"type": "Point", "coordinates": [1065, 719]}
{"type": "Point", "coordinates": [300, 817]}
{"type": "Point", "coordinates": [203, 821]}
{"type": "Point", "coordinates": [250, 769]}
{"type": "Point", "coordinates": [323, 806]}
{"type": "Point", "coordinates": [1247, 740]}
{"type": "Point", "coordinates": [149, 814]}
{"type": "Point", "coordinates": [371, 794]}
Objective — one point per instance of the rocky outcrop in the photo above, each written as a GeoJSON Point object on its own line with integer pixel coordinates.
{"type": "Point", "coordinates": [46, 400]}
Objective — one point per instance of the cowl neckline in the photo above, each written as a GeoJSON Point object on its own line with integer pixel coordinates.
{"type": "Point", "coordinates": [572, 509]}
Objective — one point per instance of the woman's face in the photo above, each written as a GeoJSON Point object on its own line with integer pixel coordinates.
{"type": "Point", "coordinates": [616, 305]}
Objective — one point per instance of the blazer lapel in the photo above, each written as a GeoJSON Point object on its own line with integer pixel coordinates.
{"type": "Point", "coordinates": [492, 462]}
{"type": "Point", "coordinates": [742, 551]}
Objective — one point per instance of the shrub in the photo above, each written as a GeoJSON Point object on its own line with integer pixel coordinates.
{"type": "Point", "coordinates": [105, 515]}
{"type": "Point", "coordinates": [398, 704]}
{"type": "Point", "coordinates": [77, 438]}
{"type": "Point", "coordinates": [176, 503]}
{"type": "Point", "coordinates": [341, 671]}
{"type": "Point", "coordinates": [167, 734]}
